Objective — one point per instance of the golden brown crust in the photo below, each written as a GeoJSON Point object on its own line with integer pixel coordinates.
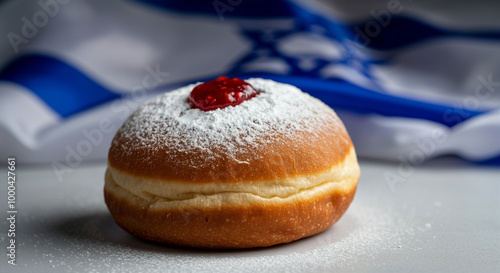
{"type": "Point", "coordinates": [230, 227]}
{"type": "Point", "coordinates": [279, 158]}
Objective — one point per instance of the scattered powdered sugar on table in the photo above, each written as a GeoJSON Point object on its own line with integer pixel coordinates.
{"type": "Point", "coordinates": [100, 246]}
{"type": "Point", "coordinates": [279, 111]}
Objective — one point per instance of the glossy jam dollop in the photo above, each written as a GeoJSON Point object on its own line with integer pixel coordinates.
{"type": "Point", "coordinates": [221, 93]}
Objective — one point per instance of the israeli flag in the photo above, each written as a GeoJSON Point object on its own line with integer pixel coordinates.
{"type": "Point", "coordinates": [412, 80]}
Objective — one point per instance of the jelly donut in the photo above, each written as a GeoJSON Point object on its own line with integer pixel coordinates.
{"type": "Point", "coordinates": [230, 164]}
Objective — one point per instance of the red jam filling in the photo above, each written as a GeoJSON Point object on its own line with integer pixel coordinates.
{"type": "Point", "coordinates": [221, 93]}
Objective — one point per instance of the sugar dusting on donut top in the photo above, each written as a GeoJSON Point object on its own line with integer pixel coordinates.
{"type": "Point", "coordinates": [168, 126]}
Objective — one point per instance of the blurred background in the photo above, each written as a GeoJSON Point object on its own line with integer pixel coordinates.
{"type": "Point", "coordinates": [412, 80]}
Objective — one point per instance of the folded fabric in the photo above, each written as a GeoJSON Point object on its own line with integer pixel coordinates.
{"type": "Point", "coordinates": [410, 85]}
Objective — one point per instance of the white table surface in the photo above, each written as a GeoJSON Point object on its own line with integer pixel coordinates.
{"type": "Point", "coordinates": [444, 217]}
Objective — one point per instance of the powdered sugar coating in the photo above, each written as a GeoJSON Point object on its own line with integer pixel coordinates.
{"type": "Point", "coordinates": [278, 113]}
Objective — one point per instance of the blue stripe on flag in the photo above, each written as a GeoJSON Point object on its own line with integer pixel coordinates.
{"type": "Point", "coordinates": [233, 8]}
{"type": "Point", "coordinates": [61, 86]}
{"type": "Point", "coordinates": [491, 161]}
{"type": "Point", "coordinates": [402, 31]}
